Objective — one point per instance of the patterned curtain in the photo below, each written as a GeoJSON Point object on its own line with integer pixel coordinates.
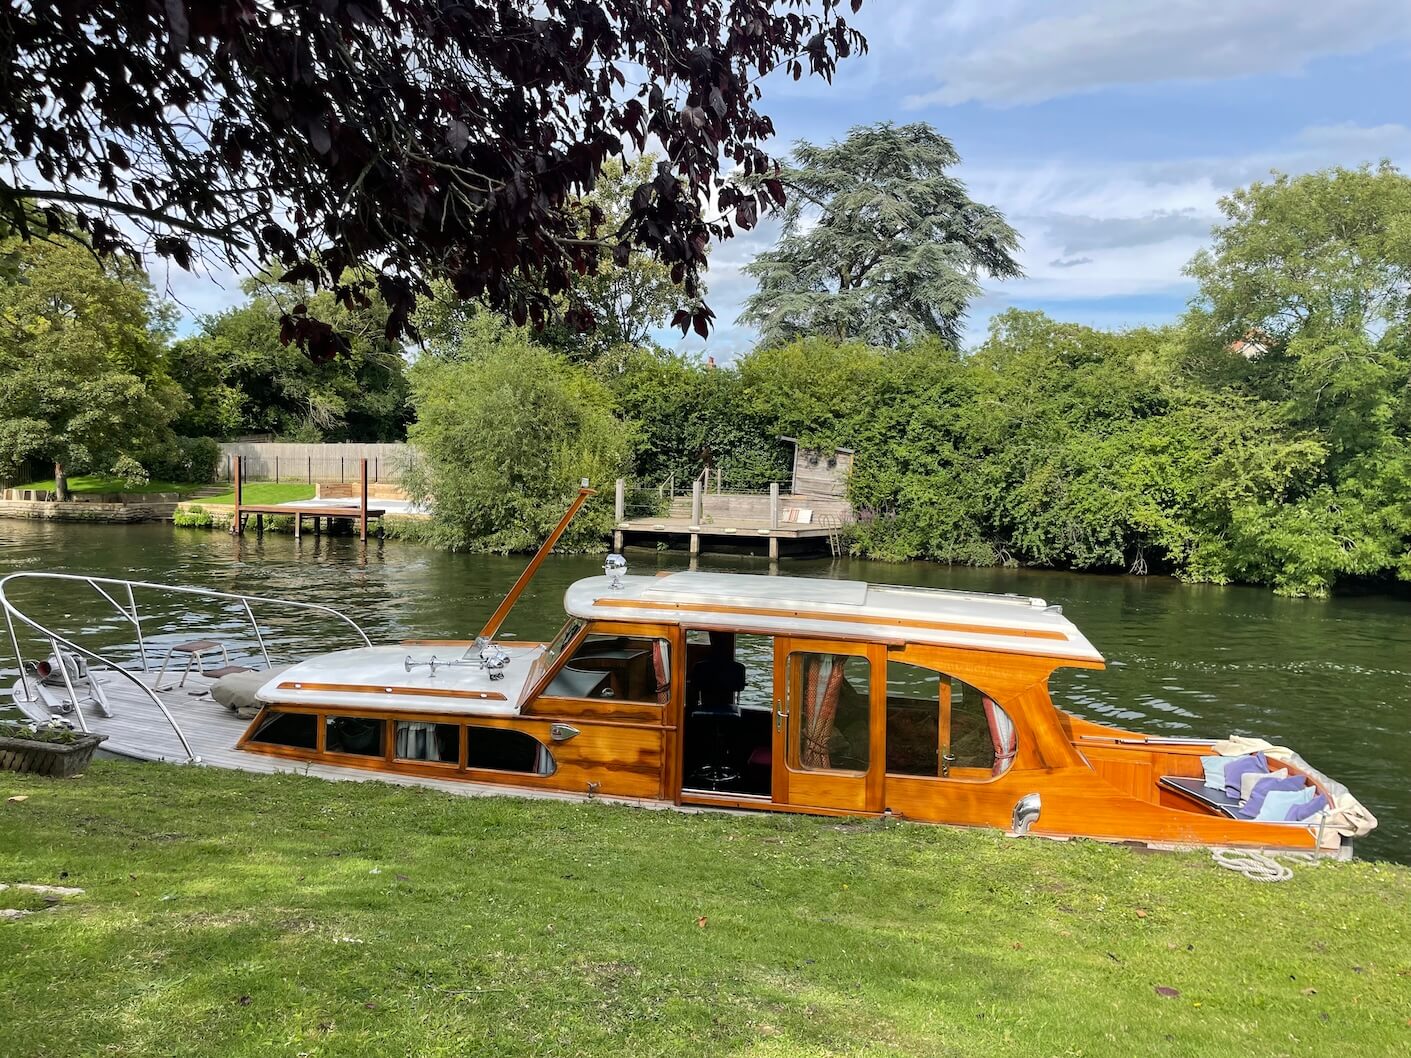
{"type": "Point", "coordinates": [822, 683]}
{"type": "Point", "coordinates": [416, 741]}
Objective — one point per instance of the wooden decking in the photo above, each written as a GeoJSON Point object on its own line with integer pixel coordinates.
{"type": "Point", "coordinates": [137, 730]}
{"type": "Point", "coordinates": [743, 532]}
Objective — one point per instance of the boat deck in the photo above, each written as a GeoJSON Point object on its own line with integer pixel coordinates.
{"type": "Point", "coordinates": [137, 730]}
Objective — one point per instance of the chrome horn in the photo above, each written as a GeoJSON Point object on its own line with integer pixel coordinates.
{"type": "Point", "coordinates": [1026, 814]}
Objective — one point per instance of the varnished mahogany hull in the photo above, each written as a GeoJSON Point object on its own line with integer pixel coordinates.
{"type": "Point", "coordinates": [1094, 781]}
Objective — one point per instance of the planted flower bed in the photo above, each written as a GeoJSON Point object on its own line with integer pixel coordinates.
{"type": "Point", "coordinates": [46, 749]}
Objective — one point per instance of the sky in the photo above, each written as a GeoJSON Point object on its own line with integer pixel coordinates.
{"type": "Point", "coordinates": [1105, 130]}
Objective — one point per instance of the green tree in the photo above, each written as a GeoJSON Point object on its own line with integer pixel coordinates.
{"type": "Point", "coordinates": [505, 430]}
{"type": "Point", "coordinates": [880, 243]}
{"type": "Point", "coordinates": [83, 372]}
{"type": "Point", "coordinates": [812, 389]}
{"type": "Point", "coordinates": [692, 416]}
{"type": "Point", "coordinates": [1305, 304]}
{"type": "Point", "coordinates": [628, 300]}
{"type": "Point", "coordinates": [243, 379]}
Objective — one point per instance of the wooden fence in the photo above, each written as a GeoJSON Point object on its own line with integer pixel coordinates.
{"type": "Point", "coordinates": [274, 461]}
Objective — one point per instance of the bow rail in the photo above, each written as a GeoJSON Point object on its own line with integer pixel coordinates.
{"type": "Point", "coordinates": [110, 588]}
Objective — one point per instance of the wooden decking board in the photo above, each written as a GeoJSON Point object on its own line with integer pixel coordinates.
{"type": "Point", "coordinates": [294, 507]}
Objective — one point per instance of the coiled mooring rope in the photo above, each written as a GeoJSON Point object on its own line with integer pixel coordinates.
{"type": "Point", "coordinates": [1258, 866]}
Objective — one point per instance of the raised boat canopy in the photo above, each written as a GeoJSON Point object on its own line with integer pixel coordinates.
{"type": "Point", "coordinates": [840, 608]}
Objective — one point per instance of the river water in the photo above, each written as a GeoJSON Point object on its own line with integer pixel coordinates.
{"type": "Point", "coordinates": [1331, 678]}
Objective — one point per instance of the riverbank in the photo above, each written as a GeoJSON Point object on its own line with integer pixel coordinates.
{"type": "Point", "coordinates": [282, 914]}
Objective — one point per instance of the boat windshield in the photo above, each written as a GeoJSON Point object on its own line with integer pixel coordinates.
{"type": "Point", "coordinates": [549, 658]}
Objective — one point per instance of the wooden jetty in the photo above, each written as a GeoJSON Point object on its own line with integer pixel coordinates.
{"type": "Point", "coordinates": [301, 509]}
{"type": "Point", "coordinates": [793, 523]}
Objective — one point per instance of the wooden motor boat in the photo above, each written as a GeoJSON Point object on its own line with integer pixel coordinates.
{"type": "Point", "coordinates": [771, 693]}
{"type": "Point", "coordinates": [848, 699]}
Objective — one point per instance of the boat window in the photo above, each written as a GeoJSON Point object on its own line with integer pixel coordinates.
{"type": "Point", "coordinates": [937, 724]}
{"type": "Point", "coordinates": [416, 740]}
{"type": "Point", "coordinates": [830, 703]}
{"type": "Point", "coordinates": [354, 734]}
{"type": "Point", "coordinates": [502, 749]}
{"type": "Point", "coordinates": [616, 668]}
{"type": "Point", "coordinates": [550, 656]}
{"type": "Point", "coordinates": [297, 730]}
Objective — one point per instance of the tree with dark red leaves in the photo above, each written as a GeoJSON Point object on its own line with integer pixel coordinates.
{"type": "Point", "coordinates": [380, 144]}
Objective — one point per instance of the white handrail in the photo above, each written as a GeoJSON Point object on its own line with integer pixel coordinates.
{"type": "Point", "coordinates": [12, 612]}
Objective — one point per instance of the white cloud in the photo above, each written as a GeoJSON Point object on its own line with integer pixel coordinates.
{"type": "Point", "coordinates": [1017, 55]}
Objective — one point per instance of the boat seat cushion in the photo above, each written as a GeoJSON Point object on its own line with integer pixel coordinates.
{"type": "Point", "coordinates": [236, 691]}
{"type": "Point", "coordinates": [1298, 813]}
{"type": "Point", "coordinates": [1197, 790]}
{"type": "Point", "coordinates": [1235, 772]}
{"type": "Point", "coordinates": [1250, 778]}
{"type": "Point", "coordinates": [1278, 804]}
{"type": "Point", "coordinates": [1215, 770]}
{"type": "Point", "coordinates": [1265, 788]}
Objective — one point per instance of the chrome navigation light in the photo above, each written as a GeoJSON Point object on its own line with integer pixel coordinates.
{"type": "Point", "coordinates": [615, 566]}
{"type": "Point", "coordinates": [493, 659]}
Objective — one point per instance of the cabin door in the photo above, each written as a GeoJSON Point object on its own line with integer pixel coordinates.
{"type": "Point", "coordinates": [829, 702]}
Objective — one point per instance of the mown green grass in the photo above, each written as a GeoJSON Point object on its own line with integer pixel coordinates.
{"type": "Point", "coordinates": [230, 914]}
{"type": "Point", "coordinates": [108, 483]}
{"type": "Point", "coordinates": [264, 492]}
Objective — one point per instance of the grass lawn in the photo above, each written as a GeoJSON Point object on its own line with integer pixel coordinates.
{"type": "Point", "coordinates": [231, 914]}
{"type": "Point", "coordinates": [108, 483]}
{"type": "Point", "coordinates": [266, 492]}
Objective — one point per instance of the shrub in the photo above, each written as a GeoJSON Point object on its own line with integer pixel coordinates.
{"type": "Point", "coordinates": [183, 459]}
{"type": "Point", "coordinates": [504, 432]}
{"type": "Point", "coordinates": [192, 518]}
{"type": "Point", "coordinates": [132, 473]}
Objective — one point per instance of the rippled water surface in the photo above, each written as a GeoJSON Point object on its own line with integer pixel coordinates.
{"type": "Point", "coordinates": [1331, 678]}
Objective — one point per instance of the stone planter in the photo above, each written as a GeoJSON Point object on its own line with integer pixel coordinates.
{"type": "Point", "coordinates": [57, 759]}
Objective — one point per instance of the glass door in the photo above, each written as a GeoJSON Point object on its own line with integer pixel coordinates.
{"type": "Point", "coordinates": [829, 720]}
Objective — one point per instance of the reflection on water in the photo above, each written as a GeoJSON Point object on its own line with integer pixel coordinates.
{"type": "Point", "coordinates": [1328, 677]}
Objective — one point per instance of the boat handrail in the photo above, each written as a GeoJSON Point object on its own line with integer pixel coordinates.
{"type": "Point", "coordinates": [131, 614]}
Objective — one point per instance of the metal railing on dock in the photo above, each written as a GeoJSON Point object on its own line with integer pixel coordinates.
{"type": "Point", "coordinates": [113, 589]}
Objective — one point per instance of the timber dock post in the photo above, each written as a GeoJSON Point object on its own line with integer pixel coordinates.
{"type": "Point", "coordinates": [237, 524]}
{"type": "Point", "coordinates": [696, 516]}
{"type": "Point", "coordinates": [619, 511]}
{"type": "Point", "coordinates": [362, 502]}
{"type": "Point", "coordinates": [774, 521]}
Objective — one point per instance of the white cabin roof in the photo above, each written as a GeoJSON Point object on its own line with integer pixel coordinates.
{"type": "Point", "coordinates": [378, 678]}
{"type": "Point", "coordinates": [851, 608]}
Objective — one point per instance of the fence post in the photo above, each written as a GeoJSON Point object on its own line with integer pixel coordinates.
{"type": "Point", "coordinates": [276, 470]}
{"type": "Point", "coordinates": [620, 502]}
{"type": "Point", "coordinates": [311, 469]}
{"type": "Point", "coordinates": [774, 505]}
{"type": "Point", "coordinates": [696, 502]}
{"type": "Point", "coordinates": [340, 470]}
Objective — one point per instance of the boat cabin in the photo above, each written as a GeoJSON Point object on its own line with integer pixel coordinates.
{"type": "Point", "coordinates": [776, 693]}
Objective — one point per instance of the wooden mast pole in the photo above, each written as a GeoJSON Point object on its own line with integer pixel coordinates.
{"type": "Point", "coordinates": [502, 611]}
